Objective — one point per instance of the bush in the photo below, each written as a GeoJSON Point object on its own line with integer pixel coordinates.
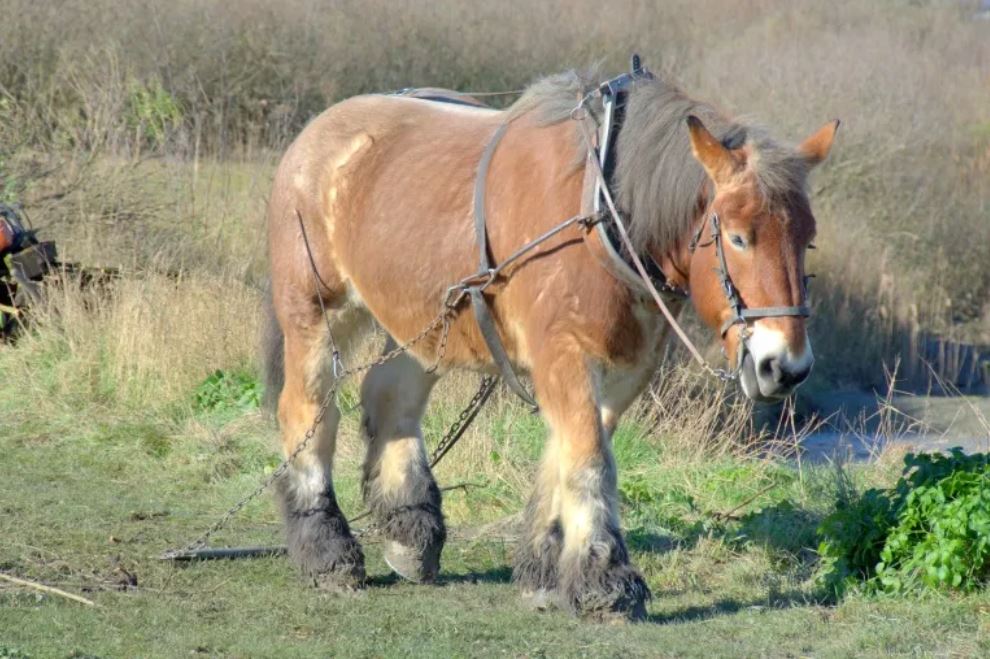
{"type": "Point", "coordinates": [152, 112]}
{"type": "Point", "coordinates": [931, 530]}
{"type": "Point", "coordinates": [225, 390]}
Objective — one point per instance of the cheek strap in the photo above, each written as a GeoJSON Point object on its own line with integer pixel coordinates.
{"type": "Point", "coordinates": [740, 314]}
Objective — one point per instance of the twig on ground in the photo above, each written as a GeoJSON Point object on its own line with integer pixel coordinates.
{"type": "Point", "coordinates": [462, 486]}
{"type": "Point", "coordinates": [732, 513]}
{"type": "Point", "coordinates": [46, 589]}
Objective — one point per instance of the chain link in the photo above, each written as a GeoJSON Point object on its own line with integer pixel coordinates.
{"type": "Point", "coordinates": [442, 319]}
{"type": "Point", "coordinates": [464, 420]}
{"type": "Point", "coordinates": [442, 346]}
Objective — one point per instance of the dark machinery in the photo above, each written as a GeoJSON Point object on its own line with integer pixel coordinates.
{"type": "Point", "coordinates": [25, 261]}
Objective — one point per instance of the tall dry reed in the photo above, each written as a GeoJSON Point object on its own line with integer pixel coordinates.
{"type": "Point", "coordinates": [132, 127]}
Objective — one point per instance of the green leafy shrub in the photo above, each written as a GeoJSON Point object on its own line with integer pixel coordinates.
{"type": "Point", "coordinates": [931, 530]}
{"type": "Point", "coordinates": [152, 111]}
{"type": "Point", "coordinates": [225, 391]}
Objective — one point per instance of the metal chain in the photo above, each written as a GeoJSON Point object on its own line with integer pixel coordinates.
{"type": "Point", "coordinates": [442, 346]}
{"type": "Point", "coordinates": [464, 420]}
{"type": "Point", "coordinates": [442, 318]}
{"type": "Point", "coordinates": [452, 300]}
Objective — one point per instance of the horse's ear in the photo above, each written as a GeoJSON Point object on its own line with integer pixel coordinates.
{"type": "Point", "coordinates": [713, 156]}
{"type": "Point", "coordinates": [815, 149]}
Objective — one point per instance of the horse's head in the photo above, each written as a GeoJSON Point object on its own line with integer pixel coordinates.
{"type": "Point", "coordinates": [747, 276]}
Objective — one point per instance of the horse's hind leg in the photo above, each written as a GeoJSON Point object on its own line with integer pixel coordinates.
{"type": "Point", "coordinates": [318, 536]}
{"type": "Point", "coordinates": [398, 485]}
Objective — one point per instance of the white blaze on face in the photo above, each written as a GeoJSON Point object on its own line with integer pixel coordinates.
{"type": "Point", "coordinates": [766, 344]}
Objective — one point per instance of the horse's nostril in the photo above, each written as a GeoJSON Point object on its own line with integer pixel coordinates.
{"type": "Point", "coordinates": [773, 370]}
{"type": "Point", "coordinates": [769, 368]}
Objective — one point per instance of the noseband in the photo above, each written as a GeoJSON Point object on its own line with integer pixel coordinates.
{"type": "Point", "coordinates": [741, 315]}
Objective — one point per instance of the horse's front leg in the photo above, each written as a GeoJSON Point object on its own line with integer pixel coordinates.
{"type": "Point", "coordinates": [592, 573]}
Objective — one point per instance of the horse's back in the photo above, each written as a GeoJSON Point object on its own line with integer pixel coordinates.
{"type": "Point", "coordinates": [384, 132]}
{"type": "Point", "coordinates": [384, 184]}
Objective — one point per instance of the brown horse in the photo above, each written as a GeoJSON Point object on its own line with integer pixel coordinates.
{"type": "Point", "coordinates": [383, 187]}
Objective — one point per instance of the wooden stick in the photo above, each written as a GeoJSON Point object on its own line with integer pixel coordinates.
{"type": "Point", "coordinates": [46, 589]}
{"type": "Point", "coordinates": [732, 513]}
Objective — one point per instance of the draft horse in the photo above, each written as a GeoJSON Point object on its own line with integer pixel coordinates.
{"type": "Point", "coordinates": [380, 186]}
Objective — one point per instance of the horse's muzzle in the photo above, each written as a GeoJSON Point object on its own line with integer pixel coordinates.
{"type": "Point", "coordinates": [769, 375]}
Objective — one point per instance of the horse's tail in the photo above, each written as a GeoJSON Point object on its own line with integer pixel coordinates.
{"type": "Point", "coordinates": [273, 355]}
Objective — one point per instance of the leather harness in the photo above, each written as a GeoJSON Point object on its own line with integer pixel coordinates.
{"type": "Point", "coordinates": [614, 93]}
{"type": "Point", "coordinates": [482, 312]}
{"type": "Point", "coordinates": [639, 271]}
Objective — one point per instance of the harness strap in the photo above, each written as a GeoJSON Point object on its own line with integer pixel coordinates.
{"type": "Point", "coordinates": [482, 312]}
{"type": "Point", "coordinates": [614, 94]}
{"type": "Point", "coordinates": [480, 184]}
{"type": "Point", "coordinates": [637, 262]}
{"type": "Point", "coordinates": [744, 315]}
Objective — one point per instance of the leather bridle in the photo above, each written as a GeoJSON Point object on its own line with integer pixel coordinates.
{"type": "Point", "coordinates": [613, 93]}
{"type": "Point", "coordinates": [741, 314]}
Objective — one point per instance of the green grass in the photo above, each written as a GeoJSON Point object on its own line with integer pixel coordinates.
{"type": "Point", "coordinates": [87, 502]}
{"type": "Point", "coordinates": [150, 145]}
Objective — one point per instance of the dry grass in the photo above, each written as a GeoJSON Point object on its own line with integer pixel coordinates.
{"type": "Point", "coordinates": [136, 130]}
{"type": "Point", "coordinates": [140, 346]}
{"type": "Point", "coordinates": [144, 135]}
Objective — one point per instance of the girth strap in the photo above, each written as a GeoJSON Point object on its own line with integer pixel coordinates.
{"type": "Point", "coordinates": [482, 312]}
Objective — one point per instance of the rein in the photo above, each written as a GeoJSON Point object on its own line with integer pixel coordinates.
{"type": "Point", "coordinates": [721, 374]}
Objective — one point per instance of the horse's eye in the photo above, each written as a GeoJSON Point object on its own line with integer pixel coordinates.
{"type": "Point", "coordinates": [737, 241]}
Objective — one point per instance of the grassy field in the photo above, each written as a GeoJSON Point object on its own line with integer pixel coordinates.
{"type": "Point", "coordinates": [144, 135]}
{"type": "Point", "coordinates": [724, 542]}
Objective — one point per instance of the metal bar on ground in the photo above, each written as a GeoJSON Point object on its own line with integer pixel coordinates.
{"type": "Point", "coordinates": [209, 554]}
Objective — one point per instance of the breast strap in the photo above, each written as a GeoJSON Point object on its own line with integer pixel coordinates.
{"type": "Point", "coordinates": [482, 312]}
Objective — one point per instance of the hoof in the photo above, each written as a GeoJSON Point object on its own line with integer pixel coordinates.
{"type": "Point", "coordinates": [333, 565]}
{"type": "Point", "coordinates": [418, 566]}
{"type": "Point", "coordinates": [619, 595]}
{"type": "Point", "coordinates": [634, 611]}
{"type": "Point", "coordinates": [343, 579]}
{"type": "Point", "coordinates": [319, 539]}
{"type": "Point", "coordinates": [540, 599]}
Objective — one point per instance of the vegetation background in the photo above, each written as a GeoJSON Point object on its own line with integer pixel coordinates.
{"type": "Point", "coordinates": [143, 135]}
{"type": "Point", "coordinates": [141, 90]}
